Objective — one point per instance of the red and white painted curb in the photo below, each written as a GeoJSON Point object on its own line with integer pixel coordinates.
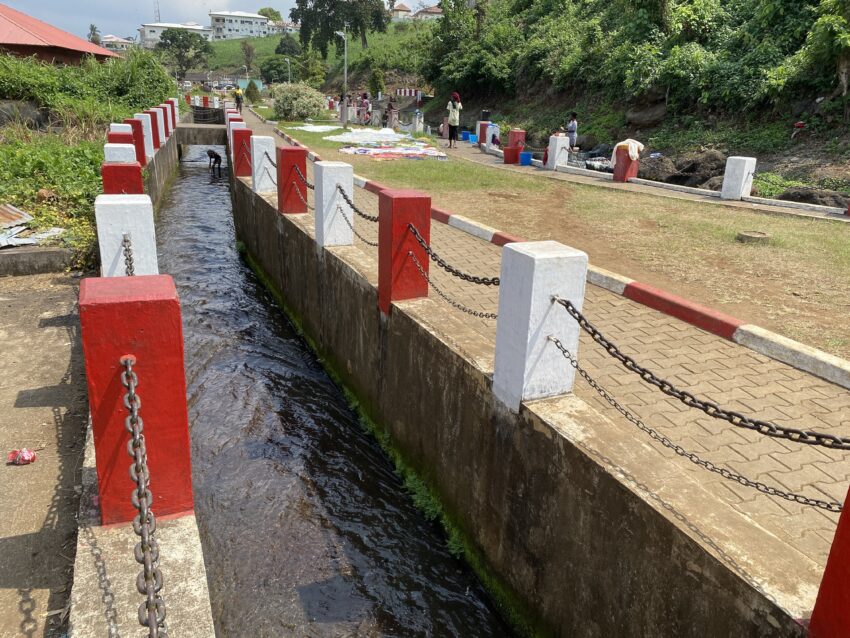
{"type": "Point", "coordinates": [755, 338]}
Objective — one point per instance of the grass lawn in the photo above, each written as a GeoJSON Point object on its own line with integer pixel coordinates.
{"type": "Point", "coordinates": [796, 285]}
{"type": "Point", "coordinates": [227, 54]}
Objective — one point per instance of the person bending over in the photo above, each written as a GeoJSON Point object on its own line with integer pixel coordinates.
{"type": "Point", "coordinates": [215, 161]}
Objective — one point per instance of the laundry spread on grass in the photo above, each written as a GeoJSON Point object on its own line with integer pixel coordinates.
{"type": "Point", "coordinates": [385, 144]}
{"type": "Point", "coordinates": [316, 128]}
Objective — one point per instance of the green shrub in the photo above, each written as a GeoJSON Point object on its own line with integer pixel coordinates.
{"type": "Point", "coordinates": [252, 93]}
{"type": "Point", "coordinates": [296, 101]}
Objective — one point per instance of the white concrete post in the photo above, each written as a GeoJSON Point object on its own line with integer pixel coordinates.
{"type": "Point", "coordinates": [738, 177]}
{"type": "Point", "coordinates": [131, 214]}
{"type": "Point", "coordinates": [233, 126]}
{"type": "Point", "coordinates": [528, 365]}
{"type": "Point", "coordinates": [168, 115]}
{"type": "Point", "coordinates": [196, 100]}
{"type": "Point", "coordinates": [216, 102]}
{"type": "Point", "coordinates": [263, 171]}
{"type": "Point", "coordinates": [559, 148]}
{"type": "Point", "coordinates": [159, 113]}
{"type": "Point", "coordinates": [380, 96]}
{"type": "Point", "coordinates": [377, 120]}
{"type": "Point", "coordinates": [120, 128]}
{"type": "Point", "coordinates": [176, 102]}
{"type": "Point", "coordinates": [418, 122]}
{"type": "Point", "coordinates": [145, 119]}
{"type": "Point", "coordinates": [331, 228]}
{"type": "Point", "coordinates": [119, 153]}
{"type": "Point", "coordinates": [352, 114]}
{"type": "Point", "coordinates": [492, 129]}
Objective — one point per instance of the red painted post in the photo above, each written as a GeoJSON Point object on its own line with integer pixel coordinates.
{"type": "Point", "coordinates": [137, 316]}
{"type": "Point", "coordinates": [831, 615]}
{"type": "Point", "coordinates": [242, 152]}
{"type": "Point", "coordinates": [120, 138]}
{"type": "Point", "coordinates": [482, 133]}
{"type": "Point", "coordinates": [398, 276]}
{"type": "Point", "coordinates": [166, 123]}
{"type": "Point", "coordinates": [289, 185]}
{"type": "Point", "coordinates": [138, 139]}
{"type": "Point", "coordinates": [188, 99]}
{"type": "Point", "coordinates": [626, 167]}
{"type": "Point", "coordinates": [122, 179]}
{"type": "Point", "coordinates": [511, 154]}
{"type": "Point", "coordinates": [206, 101]}
{"type": "Point", "coordinates": [155, 115]}
{"type": "Point", "coordinates": [516, 138]}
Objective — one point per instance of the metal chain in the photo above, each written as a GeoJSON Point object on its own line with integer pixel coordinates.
{"type": "Point", "coordinates": [269, 157]}
{"type": "Point", "coordinates": [456, 304]}
{"type": "Point", "coordinates": [766, 428]}
{"type": "Point", "coordinates": [303, 179]}
{"type": "Point", "coordinates": [830, 506]}
{"type": "Point", "coordinates": [484, 281]}
{"type": "Point", "coordinates": [127, 246]}
{"type": "Point", "coordinates": [149, 581]}
{"type": "Point", "coordinates": [351, 226]}
{"type": "Point", "coordinates": [301, 197]}
{"type": "Point", "coordinates": [350, 202]}
{"type": "Point", "coordinates": [270, 174]}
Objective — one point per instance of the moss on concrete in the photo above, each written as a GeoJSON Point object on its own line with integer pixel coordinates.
{"type": "Point", "coordinates": [426, 498]}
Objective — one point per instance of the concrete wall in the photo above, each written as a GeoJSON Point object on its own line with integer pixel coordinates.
{"type": "Point", "coordinates": [201, 135]}
{"type": "Point", "coordinates": [161, 169]}
{"type": "Point", "coordinates": [574, 543]}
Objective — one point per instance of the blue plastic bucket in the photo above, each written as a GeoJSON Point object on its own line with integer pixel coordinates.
{"type": "Point", "coordinates": [464, 136]}
{"type": "Point", "coordinates": [473, 139]}
{"type": "Point", "coordinates": [525, 158]}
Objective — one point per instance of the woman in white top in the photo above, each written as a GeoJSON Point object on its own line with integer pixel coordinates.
{"type": "Point", "coordinates": [454, 107]}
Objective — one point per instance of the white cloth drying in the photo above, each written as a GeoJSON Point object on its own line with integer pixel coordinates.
{"type": "Point", "coordinates": [635, 149]}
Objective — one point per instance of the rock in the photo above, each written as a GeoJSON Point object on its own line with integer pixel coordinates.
{"type": "Point", "coordinates": [602, 150]}
{"type": "Point", "coordinates": [586, 141]}
{"type": "Point", "coordinates": [46, 195]}
{"type": "Point", "coordinates": [819, 196]}
{"type": "Point", "coordinates": [714, 184]}
{"type": "Point", "coordinates": [697, 168]}
{"type": "Point", "coordinates": [647, 115]}
{"type": "Point", "coordinates": [658, 169]}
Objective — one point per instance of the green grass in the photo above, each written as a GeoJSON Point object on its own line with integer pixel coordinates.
{"type": "Point", "coordinates": [227, 54]}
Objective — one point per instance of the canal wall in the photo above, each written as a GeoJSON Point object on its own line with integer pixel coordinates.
{"type": "Point", "coordinates": [161, 168]}
{"type": "Point", "coordinates": [552, 524]}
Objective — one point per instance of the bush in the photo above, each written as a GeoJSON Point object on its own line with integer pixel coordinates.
{"type": "Point", "coordinates": [376, 81]}
{"type": "Point", "coordinates": [252, 93]}
{"type": "Point", "coordinates": [296, 101]}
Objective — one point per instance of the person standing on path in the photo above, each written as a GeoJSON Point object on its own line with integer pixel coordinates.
{"type": "Point", "coordinates": [572, 129]}
{"type": "Point", "coordinates": [454, 107]}
{"type": "Point", "coordinates": [238, 95]}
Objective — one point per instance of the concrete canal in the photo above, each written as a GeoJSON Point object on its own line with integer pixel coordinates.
{"type": "Point", "coordinates": [306, 529]}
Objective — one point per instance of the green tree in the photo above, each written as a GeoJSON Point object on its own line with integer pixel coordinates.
{"type": "Point", "coordinates": [376, 81]}
{"type": "Point", "coordinates": [248, 53]}
{"type": "Point", "coordinates": [271, 14]}
{"type": "Point", "coordinates": [94, 34]}
{"type": "Point", "coordinates": [312, 70]}
{"type": "Point", "coordinates": [274, 70]}
{"type": "Point", "coordinates": [184, 50]}
{"type": "Point", "coordinates": [252, 93]}
{"type": "Point", "coordinates": [288, 46]}
{"type": "Point", "coordinates": [321, 19]}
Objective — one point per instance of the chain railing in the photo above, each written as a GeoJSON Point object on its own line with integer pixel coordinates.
{"type": "Point", "coordinates": [712, 409]}
{"type": "Point", "coordinates": [270, 158]}
{"type": "Point", "coordinates": [301, 197]}
{"type": "Point", "coordinates": [127, 247]}
{"type": "Point", "coordinates": [446, 298]}
{"type": "Point", "coordinates": [830, 506]}
{"type": "Point", "coordinates": [270, 174]}
{"type": "Point", "coordinates": [348, 222]}
{"type": "Point", "coordinates": [350, 202]}
{"type": "Point", "coordinates": [303, 179]}
{"type": "Point", "coordinates": [149, 581]}
{"type": "Point", "coordinates": [483, 281]}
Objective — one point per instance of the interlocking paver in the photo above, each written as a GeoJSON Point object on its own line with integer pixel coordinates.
{"type": "Point", "coordinates": [707, 365]}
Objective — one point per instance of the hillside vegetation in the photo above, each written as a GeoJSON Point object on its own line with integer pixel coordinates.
{"type": "Point", "coordinates": [227, 54]}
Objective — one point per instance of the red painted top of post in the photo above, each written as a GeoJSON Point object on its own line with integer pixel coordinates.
{"type": "Point", "coordinates": [289, 185]}
{"type": "Point", "coordinates": [138, 139]}
{"type": "Point", "coordinates": [122, 179]}
{"type": "Point", "coordinates": [206, 101]}
{"type": "Point", "coordinates": [398, 277]}
{"type": "Point", "coordinates": [173, 108]}
{"type": "Point", "coordinates": [166, 122]}
{"type": "Point", "coordinates": [831, 615]}
{"type": "Point", "coordinates": [242, 152]}
{"type": "Point", "coordinates": [516, 138]}
{"type": "Point", "coordinates": [120, 138]}
{"type": "Point", "coordinates": [155, 115]}
{"type": "Point", "coordinates": [188, 98]}
{"type": "Point", "coordinates": [139, 316]}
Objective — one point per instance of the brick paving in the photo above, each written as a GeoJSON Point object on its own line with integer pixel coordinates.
{"type": "Point", "coordinates": [707, 365]}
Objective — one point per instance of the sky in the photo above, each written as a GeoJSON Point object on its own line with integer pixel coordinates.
{"type": "Point", "coordinates": [123, 17]}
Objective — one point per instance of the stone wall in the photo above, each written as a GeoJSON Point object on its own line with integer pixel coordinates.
{"type": "Point", "coordinates": [160, 170]}
{"type": "Point", "coordinates": [574, 543]}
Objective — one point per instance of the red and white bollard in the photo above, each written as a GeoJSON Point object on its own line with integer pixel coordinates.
{"type": "Point", "coordinates": [164, 120]}
{"type": "Point", "coordinates": [138, 316]}
{"type": "Point", "coordinates": [831, 615]}
{"type": "Point", "coordinates": [242, 152]}
{"type": "Point", "coordinates": [156, 128]}
{"type": "Point", "coordinates": [138, 140]}
{"type": "Point", "coordinates": [289, 185]}
{"type": "Point", "coordinates": [398, 276]}
{"type": "Point", "coordinates": [147, 131]}
{"type": "Point", "coordinates": [121, 173]}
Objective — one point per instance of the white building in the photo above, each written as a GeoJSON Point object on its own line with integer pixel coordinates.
{"type": "Point", "coordinates": [429, 13]}
{"type": "Point", "coordinates": [232, 25]}
{"type": "Point", "coordinates": [283, 27]}
{"type": "Point", "coordinates": [114, 43]}
{"type": "Point", "coordinates": [150, 33]}
{"type": "Point", "coordinates": [401, 12]}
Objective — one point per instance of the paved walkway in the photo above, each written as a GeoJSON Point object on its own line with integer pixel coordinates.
{"type": "Point", "coordinates": [43, 406]}
{"type": "Point", "coordinates": [704, 364]}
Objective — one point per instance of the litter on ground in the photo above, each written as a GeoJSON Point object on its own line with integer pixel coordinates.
{"type": "Point", "coordinates": [21, 457]}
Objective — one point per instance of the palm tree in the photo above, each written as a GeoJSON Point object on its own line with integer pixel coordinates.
{"type": "Point", "coordinates": [94, 34]}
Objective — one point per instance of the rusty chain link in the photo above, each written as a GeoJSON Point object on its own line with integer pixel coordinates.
{"type": "Point", "coordinates": [127, 247]}
{"type": "Point", "coordinates": [269, 157]}
{"type": "Point", "coordinates": [303, 179]}
{"type": "Point", "coordinates": [149, 581]}
{"type": "Point", "coordinates": [484, 281]}
{"type": "Point", "coordinates": [301, 197]}
{"type": "Point", "coordinates": [766, 428]}
{"type": "Point", "coordinates": [446, 298]}
{"type": "Point", "coordinates": [830, 506]}
{"type": "Point", "coordinates": [350, 202]}
{"type": "Point", "coordinates": [351, 226]}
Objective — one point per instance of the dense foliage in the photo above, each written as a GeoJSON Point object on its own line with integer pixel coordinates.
{"type": "Point", "coordinates": [184, 50]}
{"type": "Point", "coordinates": [252, 93]}
{"type": "Point", "coordinates": [728, 55]}
{"type": "Point", "coordinates": [296, 101]}
{"type": "Point", "coordinates": [90, 95]}
{"type": "Point", "coordinates": [320, 20]}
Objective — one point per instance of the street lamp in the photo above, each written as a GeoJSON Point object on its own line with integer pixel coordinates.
{"type": "Point", "coordinates": [288, 70]}
{"type": "Point", "coordinates": [344, 77]}
{"type": "Point", "coordinates": [246, 76]}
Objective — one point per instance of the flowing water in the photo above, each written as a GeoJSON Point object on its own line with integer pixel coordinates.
{"type": "Point", "coordinates": [306, 529]}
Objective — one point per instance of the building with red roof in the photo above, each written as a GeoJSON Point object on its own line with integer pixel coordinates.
{"type": "Point", "coordinates": [23, 35]}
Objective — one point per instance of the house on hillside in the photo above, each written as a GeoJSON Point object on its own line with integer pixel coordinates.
{"type": "Point", "coordinates": [233, 25]}
{"type": "Point", "coordinates": [150, 32]}
{"type": "Point", "coordinates": [428, 13]}
{"type": "Point", "coordinates": [283, 27]}
{"type": "Point", "coordinates": [24, 36]}
{"type": "Point", "coordinates": [114, 43]}
{"type": "Point", "coordinates": [401, 12]}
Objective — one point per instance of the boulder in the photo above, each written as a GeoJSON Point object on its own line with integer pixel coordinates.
{"type": "Point", "coordinates": [602, 150]}
{"type": "Point", "coordinates": [658, 169]}
{"type": "Point", "coordinates": [697, 168]}
{"type": "Point", "coordinates": [647, 115]}
{"type": "Point", "coordinates": [819, 196]}
{"type": "Point", "coordinates": [585, 142]}
{"type": "Point", "coordinates": [714, 184]}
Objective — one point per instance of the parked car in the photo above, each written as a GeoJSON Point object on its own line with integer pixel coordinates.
{"type": "Point", "coordinates": [187, 85]}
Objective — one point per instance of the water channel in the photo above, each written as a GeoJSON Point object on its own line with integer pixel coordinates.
{"type": "Point", "coordinates": [306, 529]}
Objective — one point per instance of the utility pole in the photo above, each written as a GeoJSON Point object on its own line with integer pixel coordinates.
{"type": "Point", "coordinates": [157, 17]}
{"type": "Point", "coordinates": [344, 37]}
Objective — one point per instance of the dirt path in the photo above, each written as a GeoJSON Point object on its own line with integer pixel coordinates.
{"type": "Point", "coordinates": [42, 405]}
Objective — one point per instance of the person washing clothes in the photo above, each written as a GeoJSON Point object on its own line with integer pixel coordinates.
{"type": "Point", "coordinates": [454, 107]}
{"type": "Point", "coordinates": [572, 130]}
